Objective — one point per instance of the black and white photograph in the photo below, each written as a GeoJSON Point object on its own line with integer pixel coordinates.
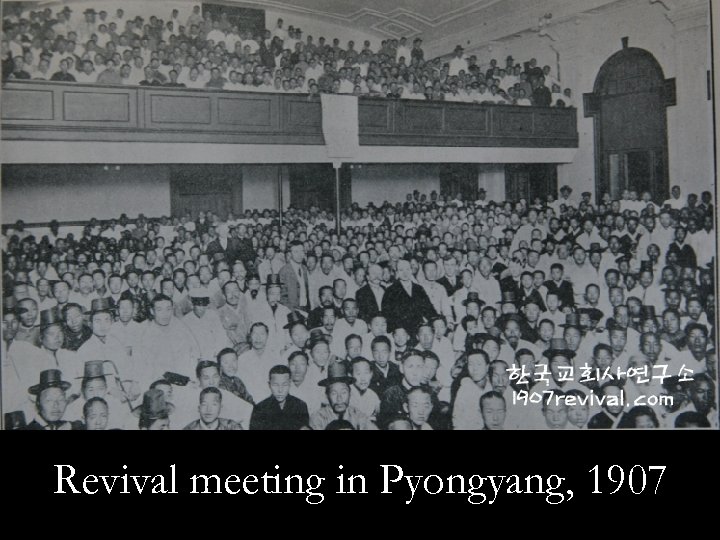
{"type": "Point", "coordinates": [344, 215]}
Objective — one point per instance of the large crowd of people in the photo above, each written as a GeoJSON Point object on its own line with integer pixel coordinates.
{"type": "Point", "coordinates": [435, 313]}
{"type": "Point", "coordinates": [97, 47]}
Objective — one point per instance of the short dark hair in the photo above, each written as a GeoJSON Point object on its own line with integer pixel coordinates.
{"type": "Point", "coordinates": [409, 354]}
{"type": "Point", "coordinates": [279, 370]}
{"type": "Point", "coordinates": [210, 390]}
{"type": "Point", "coordinates": [378, 340]}
{"type": "Point", "coordinates": [337, 425]}
{"type": "Point", "coordinates": [350, 338]}
{"type": "Point", "coordinates": [360, 360]}
{"type": "Point", "coordinates": [160, 298]}
{"type": "Point", "coordinates": [298, 354]}
{"type": "Point", "coordinates": [490, 395]}
{"type": "Point", "coordinates": [204, 364]}
{"type": "Point", "coordinates": [92, 401]}
{"type": "Point", "coordinates": [226, 350]}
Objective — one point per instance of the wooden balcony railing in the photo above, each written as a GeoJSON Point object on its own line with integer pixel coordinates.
{"type": "Point", "coordinates": [38, 110]}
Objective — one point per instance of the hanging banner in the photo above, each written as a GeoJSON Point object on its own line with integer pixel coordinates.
{"type": "Point", "coordinates": [340, 125]}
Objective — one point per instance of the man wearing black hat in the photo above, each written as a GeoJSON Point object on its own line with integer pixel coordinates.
{"type": "Point", "coordinates": [51, 402]}
{"type": "Point", "coordinates": [96, 382]}
{"type": "Point", "coordinates": [337, 389]}
{"type": "Point", "coordinates": [154, 412]}
{"type": "Point", "coordinates": [298, 332]}
{"type": "Point", "coordinates": [102, 345]}
{"type": "Point", "coordinates": [28, 360]}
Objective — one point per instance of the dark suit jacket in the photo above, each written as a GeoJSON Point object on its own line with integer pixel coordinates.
{"type": "Point", "coordinates": [449, 287]}
{"type": "Point", "coordinates": [231, 252]}
{"type": "Point", "coordinates": [542, 97]}
{"type": "Point", "coordinates": [267, 415]}
{"type": "Point", "coordinates": [534, 294]}
{"type": "Point", "coordinates": [404, 311]}
{"type": "Point", "coordinates": [685, 254]}
{"type": "Point", "coordinates": [201, 228]}
{"type": "Point", "coordinates": [290, 295]}
{"type": "Point", "coordinates": [564, 291]}
{"type": "Point", "coordinates": [366, 303]}
{"type": "Point", "coordinates": [379, 382]}
{"type": "Point", "coordinates": [246, 251]}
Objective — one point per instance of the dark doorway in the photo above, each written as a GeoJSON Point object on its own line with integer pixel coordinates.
{"type": "Point", "coordinates": [530, 181]}
{"type": "Point", "coordinates": [629, 105]}
{"type": "Point", "coordinates": [202, 188]}
{"type": "Point", "coordinates": [313, 184]}
{"type": "Point", "coordinates": [459, 178]}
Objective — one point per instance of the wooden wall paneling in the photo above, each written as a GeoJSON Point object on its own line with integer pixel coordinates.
{"type": "Point", "coordinates": [54, 111]}
{"type": "Point", "coordinates": [23, 105]}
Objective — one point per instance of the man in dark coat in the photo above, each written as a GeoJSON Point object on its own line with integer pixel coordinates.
{"type": "Point", "coordinates": [384, 372]}
{"type": "Point", "coordinates": [370, 296]}
{"type": "Point", "coordinates": [225, 245]}
{"type": "Point", "coordinates": [560, 286]}
{"type": "Point", "coordinates": [51, 402]}
{"type": "Point", "coordinates": [280, 411]}
{"type": "Point", "coordinates": [406, 303]}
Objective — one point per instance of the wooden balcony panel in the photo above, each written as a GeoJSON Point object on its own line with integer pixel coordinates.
{"type": "Point", "coordinates": [39, 110]}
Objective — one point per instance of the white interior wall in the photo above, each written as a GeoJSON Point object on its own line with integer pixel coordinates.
{"type": "Point", "coordinates": [42, 193]}
{"type": "Point", "coordinates": [491, 178]}
{"type": "Point", "coordinates": [392, 182]}
{"type": "Point", "coordinates": [259, 186]}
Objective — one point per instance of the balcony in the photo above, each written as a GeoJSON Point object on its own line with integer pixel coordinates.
{"type": "Point", "coordinates": [45, 111]}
